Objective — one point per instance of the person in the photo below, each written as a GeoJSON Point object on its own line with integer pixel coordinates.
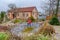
{"type": "Point", "coordinates": [29, 21]}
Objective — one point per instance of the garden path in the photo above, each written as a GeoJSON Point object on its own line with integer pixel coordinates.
{"type": "Point", "coordinates": [57, 29]}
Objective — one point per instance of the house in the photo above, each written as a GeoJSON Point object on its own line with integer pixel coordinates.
{"type": "Point", "coordinates": [23, 13]}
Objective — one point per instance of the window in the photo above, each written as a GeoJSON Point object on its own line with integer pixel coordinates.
{"type": "Point", "coordinates": [33, 13]}
{"type": "Point", "coordinates": [23, 14]}
{"type": "Point", "coordinates": [18, 14]}
{"type": "Point", "coordinates": [14, 15]}
{"type": "Point", "coordinates": [26, 15]}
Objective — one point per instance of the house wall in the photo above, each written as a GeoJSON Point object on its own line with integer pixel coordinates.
{"type": "Point", "coordinates": [35, 13]}
{"type": "Point", "coordinates": [10, 16]}
{"type": "Point", "coordinates": [23, 15]}
{"type": "Point", "coordinates": [19, 15]}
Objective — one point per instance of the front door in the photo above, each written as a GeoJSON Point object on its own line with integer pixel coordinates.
{"type": "Point", "coordinates": [14, 15]}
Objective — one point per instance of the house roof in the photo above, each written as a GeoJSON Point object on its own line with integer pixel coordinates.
{"type": "Point", "coordinates": [25, 9]}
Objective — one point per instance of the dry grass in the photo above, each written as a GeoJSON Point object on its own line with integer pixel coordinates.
{"type": "Point", "coordinates": [12, 36]}
{"type": "Point", "coordinates": [46, 29]}
{"type": "Point", "coordinates": [28, 29]}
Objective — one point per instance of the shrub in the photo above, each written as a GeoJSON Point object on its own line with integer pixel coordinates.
{"type": "Point", "coordinates": [3, 36]}
{"type": "Point", "coordinates": [17, 21]}
{"type": "Point", "coordinates": [54, 21]}
{"type": "Point", "coordinates": [43, 19]}
{"type": "Point", "coordinates": [32, 18]}
{"type": "Point", "coordinates": [46, 30]}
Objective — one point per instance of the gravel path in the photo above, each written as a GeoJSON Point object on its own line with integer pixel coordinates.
{"type": "Point", "coordinates": [57, 29]}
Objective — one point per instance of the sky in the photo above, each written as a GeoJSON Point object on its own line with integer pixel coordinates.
{"type": "Point", "coordinates": [22, 3]}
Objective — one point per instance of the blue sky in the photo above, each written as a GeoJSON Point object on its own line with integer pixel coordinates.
{"type": "Point", "coordinates": [22, 3]}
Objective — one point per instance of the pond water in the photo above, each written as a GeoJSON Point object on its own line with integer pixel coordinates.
{"type": "Point", "coordinates": [19, 27]}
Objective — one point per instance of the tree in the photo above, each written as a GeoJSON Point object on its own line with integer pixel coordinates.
{"type": "Point", "coordinates": [49, 7]}
{"type": "Point", "coordinates": [2, 15]}
{"type": "Point", "coordinates": [12, 6]}
{"type": "Point", "coordinates": [57, 7]}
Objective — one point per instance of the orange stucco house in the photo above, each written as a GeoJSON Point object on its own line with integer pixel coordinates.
{"type": "Point", "coordinates": [23, 13]}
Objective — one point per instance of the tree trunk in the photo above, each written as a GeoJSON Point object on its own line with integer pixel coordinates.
{"type": "Point", "coordinates": [57, 7]}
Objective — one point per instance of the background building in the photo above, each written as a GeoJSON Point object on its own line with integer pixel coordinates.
{"type": "Point", "coordinates": [23, 13]}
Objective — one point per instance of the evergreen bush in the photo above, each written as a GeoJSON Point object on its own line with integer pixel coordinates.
{"type": "Point", "coordinates": [54, 21]}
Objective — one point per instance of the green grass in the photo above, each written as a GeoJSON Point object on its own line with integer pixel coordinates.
{"type": "Point", "coordinates": [28, 29]}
